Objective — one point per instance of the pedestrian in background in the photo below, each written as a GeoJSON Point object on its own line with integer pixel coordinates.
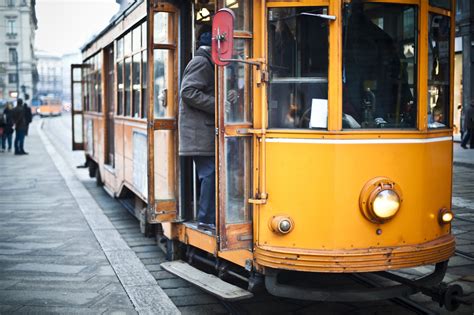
{"type": "Point", "coordinates": [8, 128]}
{"type": "Point", "coordinates": [19, 118]}
{"type": "Point", "coordinates": [469, 127]}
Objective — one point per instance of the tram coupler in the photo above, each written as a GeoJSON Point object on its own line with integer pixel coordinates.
{"type": "Point", "coordinates": [448, 296]}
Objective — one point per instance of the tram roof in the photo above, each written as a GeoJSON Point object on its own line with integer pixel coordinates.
{"type": "Point", "coordinates": [118, 17]}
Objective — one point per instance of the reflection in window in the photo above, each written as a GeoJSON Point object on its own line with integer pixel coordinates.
{"type": "Point", "coordinates": [144, 85]}
{"type": "Point", "coordinates": [161, 23]}
{"type": "Point", "coordinates": [379, 66]}
{"type": "Point", "coordinates": [120, 88]}
{"type": "Point", "coordinates": [298, 65]}
{"type": "Point", "coordinates": [235, 91]}
{"type": "Point", "coordinates": [160, 86]}
{"type": "Point", "coordinates": [127, 82]}
{"type": "Point", "coordinates": [445, 4]}
{"type": "Point", "coordinates": [136, 85]}
{"type": "Point", "coordinates": [240, 9]}
{"type": "Point", "coordinates": [237, 179]}
{"type": "Point", "coordinates": [438, 71]}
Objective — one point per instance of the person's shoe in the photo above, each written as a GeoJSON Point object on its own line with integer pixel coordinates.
{"type": "Point", "coordinates": [463, 146]}
{"type": "Point", "coordinates": [2, 150]}
{"type": "Point", "coordinates": [18, 153]}
{"type": "Point", "coordinates": [206, 226]}
{"type": "Point", "coordinates": [24, 153]}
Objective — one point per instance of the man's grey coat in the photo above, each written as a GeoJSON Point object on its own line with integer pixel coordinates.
{"type": "Point", "coordinates": [197, 106]}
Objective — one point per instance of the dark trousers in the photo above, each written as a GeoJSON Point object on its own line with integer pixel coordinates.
{"type": "Point", "coordinates": [206, 169]}
{"type": "Point", "coordinates": [7, 137]}
{"type": "Point", "coordinates": [19, 140]}
{"type": "Point", "coordinates": [468, 136]}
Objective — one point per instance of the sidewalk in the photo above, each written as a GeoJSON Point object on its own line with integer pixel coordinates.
{"type": "Point", "coordinates": [463, 157]}
{"type": "Point", "coordinates": [57, 254]}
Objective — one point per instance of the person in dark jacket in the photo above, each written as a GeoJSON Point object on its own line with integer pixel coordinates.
{"type": "Point", "coordinates": [469, 125]}
{"type": "Point", "coordinates": [8, 128]}
{"type": "Point", "coordinates": [21, 126]}
{"type": "Point", "coordinates": [196, 124]}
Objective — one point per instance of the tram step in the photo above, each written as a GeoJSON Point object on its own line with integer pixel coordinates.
{"type": "Point", "coordinates": [205, 281]}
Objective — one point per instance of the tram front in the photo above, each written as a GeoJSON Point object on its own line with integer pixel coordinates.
{"type": "Point", "coordinates": [352, 108]}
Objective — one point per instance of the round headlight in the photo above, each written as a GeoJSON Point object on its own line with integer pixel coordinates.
{"type": "Point", "coordinates": [380, 200]}
{"type": "Point", "coordinates": [281, 224]}
{"type": "Point", "coordinates": [386, 204]}
{"type": "Point", "coordinates": [445, 216]}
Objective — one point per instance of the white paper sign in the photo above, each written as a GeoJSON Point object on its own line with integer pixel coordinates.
{"type": "Point", "coordinates": [319, 113]}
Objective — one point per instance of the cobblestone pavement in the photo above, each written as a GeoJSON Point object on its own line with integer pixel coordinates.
{"type": "Point", "coordinates": [191, 300]}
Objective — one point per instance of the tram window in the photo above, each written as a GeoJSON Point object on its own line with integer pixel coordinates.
{"type": "Point", "coordinates": [241, 11]}
{"type": "Point", "coordinates": [119, 48]}
{"type": "Point", "coordinates": [136, 85]}
{"type": "Point", "coordinates": [144, 32]}
{"type": "Point", "coordinates": [127, 44]}
{"type": "Point", "coordinates": [144, 85]}
{"type": "Point", "coordinates": [120, 88]}
{"type": "Point", "coordinates": [438, 71]}
{"type": "Point", "coordinates": [379, 66]}
{"type": "Point", "coordinates": [237, 179]}
{"type": "Point", "coordinates": [127, 86]}
{"type": "Point", "coordinates": [298, 65]}
{"type": "Point", "coordinates": [445, 4]}
{"type": "Point", "coordinates": [161, 31]}
{"type": "Point", "coordinates": [98, 88]}
{"type": "Point", "coordinates": [160, 96]}
{"type": "Point", "coordinates": [136, 39]}
{"type": "Point", "coordinates": [235, 75]}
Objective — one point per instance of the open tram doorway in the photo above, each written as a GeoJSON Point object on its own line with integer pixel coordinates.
{"type": "Point", "coordinates": [110, 105]}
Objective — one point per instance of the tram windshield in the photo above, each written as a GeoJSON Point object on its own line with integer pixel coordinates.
{"type": "Point", "coordinates": [298, 57]}
{"type": "Point", "coordinates": [379, 66]}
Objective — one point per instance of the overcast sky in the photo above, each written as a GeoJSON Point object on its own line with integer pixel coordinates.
{"type": "Point", "coordinates": [65, 25]}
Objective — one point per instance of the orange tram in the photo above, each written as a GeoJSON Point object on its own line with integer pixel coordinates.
{"type": "Point", "coordinates": [334, 159]}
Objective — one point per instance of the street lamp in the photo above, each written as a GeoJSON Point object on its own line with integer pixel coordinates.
{"type": "Point", "coordinates": [15, 60]}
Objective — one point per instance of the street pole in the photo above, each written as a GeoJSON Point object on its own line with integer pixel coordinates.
{"type": "Point", "coordinates": [17, 75]}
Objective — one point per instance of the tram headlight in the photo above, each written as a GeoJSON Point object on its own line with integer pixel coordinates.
{"type": "Point", "coordinates": [386, 204]}
{"type": "Point", "coordinates": [281, 224]}
{"type": "Point", "coordinates": [380, 200]}
{"type": "Point", "coordinates": [445, 216]}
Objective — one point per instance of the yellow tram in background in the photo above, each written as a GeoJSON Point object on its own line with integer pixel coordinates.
{"type": "Point", "coordinates": [334, 158]}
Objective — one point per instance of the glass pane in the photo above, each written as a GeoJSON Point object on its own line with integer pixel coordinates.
{"type": "Point", "coordinates": [120, 88]}
{"type": "Point", "coordinates": [445, 4]}
{"type": "Point", "coordinates": [380, 66]}
{"type": "Point", "coordinates": [161, 28]}
{"type": "Point", "coordinates": [77, 97]}
{"type": "Point", "coordinates": [99, 91]}
{"type": "Point", "coordinates": [136, 85]}
{"type": "Point", "coordinates": [298, 66]}
{"type": "Point", "coordinates": [78, 128]}
{"type": "Point", "coordinates": [127, 87]}
{"type": "Point", "coordinates": [128, 44]}
{"type": "Point", "coordinates": [144, 85]}
{"type": "Point", "coordinates": [241, 11]}
{"type": "Point", "coordinates": [438, 71]}
{"type": "Point", "coordinates": [237, 152]}
{"type": "Point", "coordinates": [137, 39]}
{"type": "Point", "coordinates": [164, 164]}
{"type": "Point", "coordinates": [160, 97]}
{"type": "Point", "coordinates": [236, 74]}
{"type": "Point", "coordinates": [144, 32]}
{"type": "Point", "coordinates": [120, 48]}
{"type": "Point", "coordinates": [77, 74]}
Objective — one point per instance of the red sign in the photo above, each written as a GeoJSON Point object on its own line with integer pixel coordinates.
{"type": "Point", "coordinates": [223, 37]}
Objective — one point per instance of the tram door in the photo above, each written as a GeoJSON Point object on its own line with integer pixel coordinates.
{"type": "Point", "coordinates": [162, 122]}
{"type": "Point", "coordinates": [77, 106]}
{"type": "Point", "coordinates": [110, 109]}
{"type": "Point", "coordinates": [234, 122]}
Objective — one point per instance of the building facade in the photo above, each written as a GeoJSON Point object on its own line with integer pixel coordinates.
{"type": "Point", "coordinates": [50, 76]}
{"type": "Point", "coordinates": [18, 74]}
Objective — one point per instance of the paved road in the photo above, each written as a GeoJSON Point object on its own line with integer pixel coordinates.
{"type": "Point", "coordinates": [188, 299]}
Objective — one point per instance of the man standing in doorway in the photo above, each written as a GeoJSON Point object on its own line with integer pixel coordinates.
{"type": "Point", "coordinates": [21, 125]}
{"type": "Point", "coordinates": [196, 124]}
